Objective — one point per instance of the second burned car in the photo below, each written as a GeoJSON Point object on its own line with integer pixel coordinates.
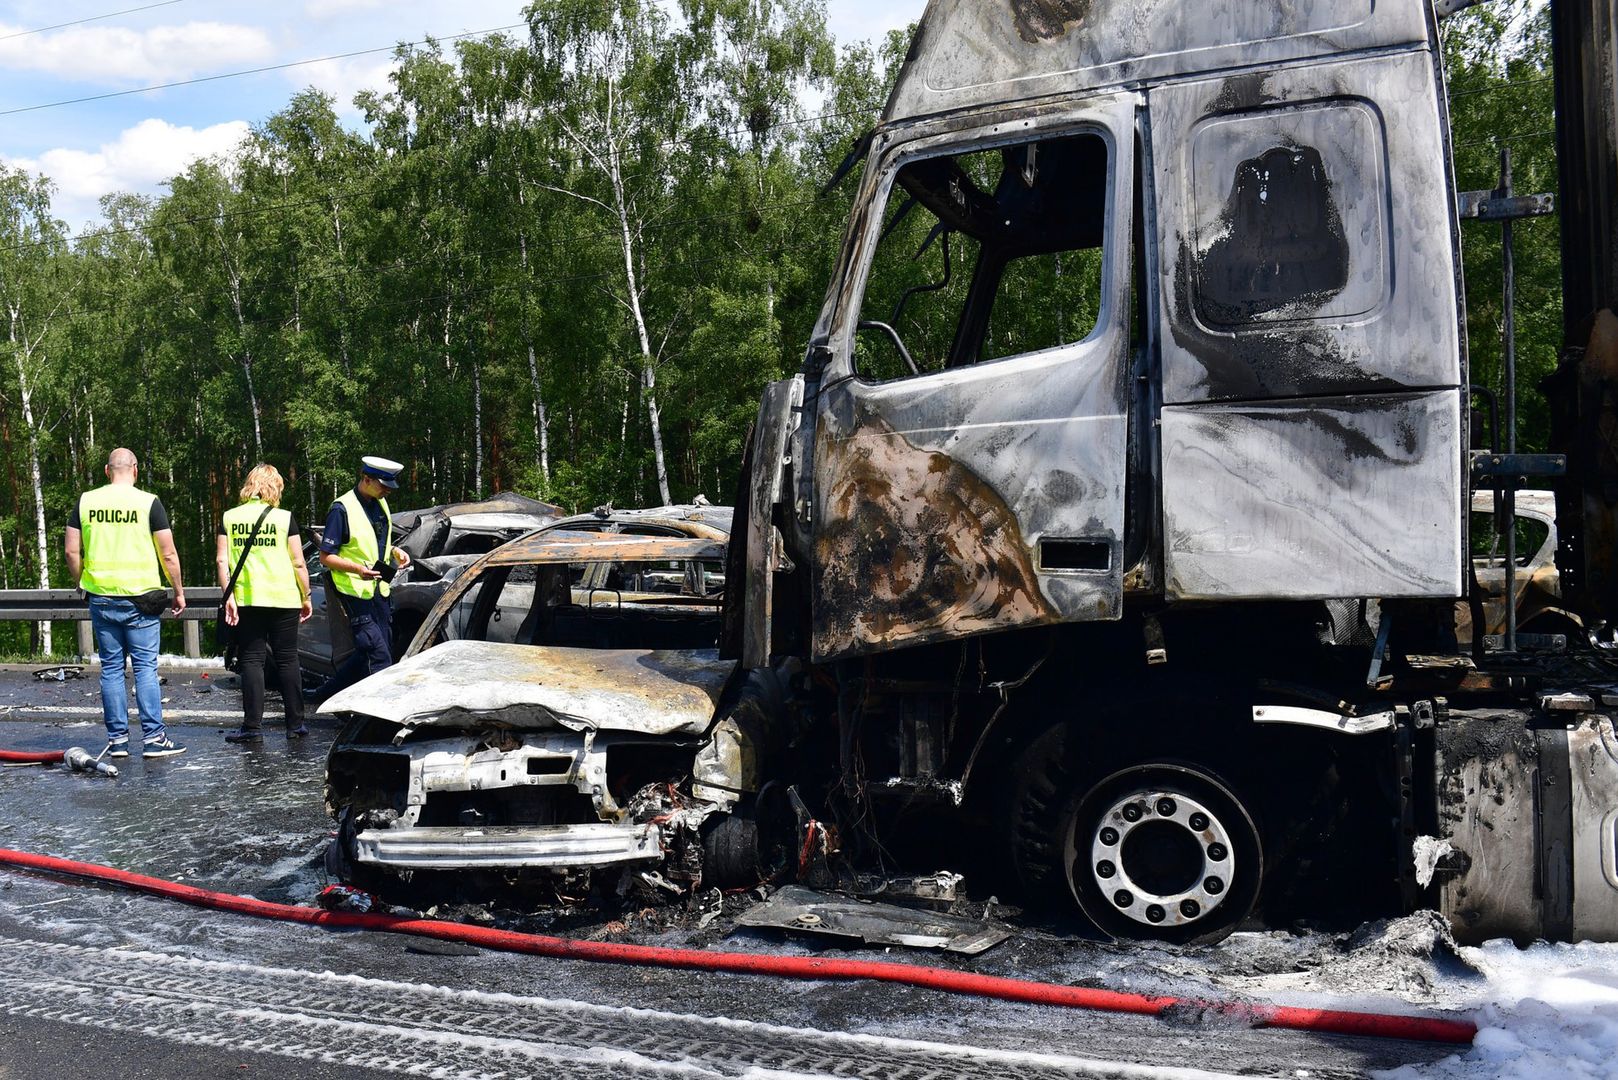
{"type": "Point", "coordinates": [563, 713]}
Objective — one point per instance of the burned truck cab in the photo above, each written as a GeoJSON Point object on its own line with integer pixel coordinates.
{"type": "Point", "coordinates": [1138, 301]}
{"type": "Point", "coordinates": [1148, 319]}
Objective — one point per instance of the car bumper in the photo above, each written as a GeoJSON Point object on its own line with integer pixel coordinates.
{"type": "Point", "coordinates": [553, 847]}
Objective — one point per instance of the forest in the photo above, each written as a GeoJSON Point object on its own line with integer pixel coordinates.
{"type": "Point", "coordinates": [564, 263]}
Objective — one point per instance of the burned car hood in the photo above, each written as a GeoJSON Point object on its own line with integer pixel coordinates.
{"type": "Point", "coordinates": [459, 683]}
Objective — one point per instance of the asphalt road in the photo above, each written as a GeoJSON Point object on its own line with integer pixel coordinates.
{"type": "Point", "coordinates": [98, 982]}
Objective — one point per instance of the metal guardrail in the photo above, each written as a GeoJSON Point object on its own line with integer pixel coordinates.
{"type": "Point", "coordinates": [70, 605]}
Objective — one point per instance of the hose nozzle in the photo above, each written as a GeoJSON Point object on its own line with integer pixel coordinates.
{"type": "Point", "coordinates": [79, 760]}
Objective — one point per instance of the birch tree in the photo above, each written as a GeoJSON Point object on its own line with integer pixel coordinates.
{"type": "Point", "coordinates": [620, 88]}
{"type": "Point", "coordinates": [35, 289]}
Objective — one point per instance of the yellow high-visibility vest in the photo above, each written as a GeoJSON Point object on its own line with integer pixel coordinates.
{"type": "Point", "coordinates": [268, 578]}
{"type": "Point", "coordinates": [363, 546]}
{"type": "Point", "coordinates": [120, 556]}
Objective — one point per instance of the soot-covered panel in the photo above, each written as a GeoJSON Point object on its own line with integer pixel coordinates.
{"type": "Point", "coordinates": [1307, 238]}
{"type": "Point", "coordinates": [1307, 500]}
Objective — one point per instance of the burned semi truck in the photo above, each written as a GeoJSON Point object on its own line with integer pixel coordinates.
{"type": "Point", "coordinates": [1144, 594]}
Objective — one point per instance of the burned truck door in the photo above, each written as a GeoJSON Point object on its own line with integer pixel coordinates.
{"type": "Point", "coordinates": [1311, 333]}
{"type": "Point", "coordinates": [971, 431]}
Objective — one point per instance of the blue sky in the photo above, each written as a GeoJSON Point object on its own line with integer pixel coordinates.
{"type": "Point", "coordinates": [133, 143]}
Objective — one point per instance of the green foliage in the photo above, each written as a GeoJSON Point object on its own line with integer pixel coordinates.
{"type": "Point", "coordinates": [1498, 60]}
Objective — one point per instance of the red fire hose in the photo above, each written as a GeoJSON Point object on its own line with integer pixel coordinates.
{"type": "Point", "coordinates": [28, 757]}
{"type": "Point", "coordinates": [1430, 1029]}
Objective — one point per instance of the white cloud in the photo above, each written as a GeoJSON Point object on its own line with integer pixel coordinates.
{"type": "Point", "coordinates": [118, 55]}
{"type": "Point", "coordinates": [139, 160]}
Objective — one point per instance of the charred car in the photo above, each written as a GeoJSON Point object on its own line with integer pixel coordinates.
{"type": "Point", "coordinates": [442, 541]}
{"type": "Point", "coordinates": [1537, 585]}
{"type": "Point", "coordinates": [564, 712]}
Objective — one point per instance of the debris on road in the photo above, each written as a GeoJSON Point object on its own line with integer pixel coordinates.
{"type": "Point", "coordinates": [799, 910]}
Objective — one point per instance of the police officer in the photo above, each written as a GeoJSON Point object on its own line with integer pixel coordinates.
{"type": "Point", "coordinates": [357, 551]}
{"type": "Point", "coordinates": [116, 535]}
{"type": "Point", "coordinates": [269, 599]}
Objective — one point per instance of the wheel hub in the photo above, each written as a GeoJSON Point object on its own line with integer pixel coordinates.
{"type": "Point", "coordinates": [1161, 858]}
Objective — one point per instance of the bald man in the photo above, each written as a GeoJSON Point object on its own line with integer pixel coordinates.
{"type": "Point", "coordinates": [117, 537]}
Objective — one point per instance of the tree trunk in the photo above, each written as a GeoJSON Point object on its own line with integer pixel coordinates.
{"type": "Point", "coordinates": [648, 372]}
{"type": "Point", "coordinates": [477, 430]}
{"type": "Point", "coordinates": [542, 420]}
{"type": "Point", "coordinates": [25, 395]}
{"type": "Point", "coordinates": [542, 435]}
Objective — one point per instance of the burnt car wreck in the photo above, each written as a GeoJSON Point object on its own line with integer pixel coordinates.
{"type": "Point", "coordinates": [442, 542]}
{"type": "Point", "coordinates": [563, 712]}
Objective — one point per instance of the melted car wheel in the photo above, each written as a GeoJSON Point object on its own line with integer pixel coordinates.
{"type": "Point", "coordinates": [1163, 851]}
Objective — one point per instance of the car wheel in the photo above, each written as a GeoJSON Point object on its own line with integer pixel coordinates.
{"type": "Point", "coordinates": [749, 845]}
{"type": "Point", "coordinates": [1164, 851]}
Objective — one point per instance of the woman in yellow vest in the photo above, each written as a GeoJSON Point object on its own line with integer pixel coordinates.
{"type": "Point", "coordinates": [269, 600]}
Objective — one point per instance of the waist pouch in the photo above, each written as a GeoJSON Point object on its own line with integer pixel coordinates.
{"type": "Point", "coordinates": [153, 602]}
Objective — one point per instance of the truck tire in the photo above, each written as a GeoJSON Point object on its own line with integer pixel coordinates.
{"type": "Point", "coordinates": [1145, 848]}
{"type": "Point", "coordinates": [1165, 851]}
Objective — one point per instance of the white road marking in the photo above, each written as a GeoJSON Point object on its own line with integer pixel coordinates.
{"type": "Point", "coordinates": [48, 711]}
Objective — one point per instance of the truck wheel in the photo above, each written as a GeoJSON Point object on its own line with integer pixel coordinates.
{"type": "Point", "coordinates": [1163, 851]}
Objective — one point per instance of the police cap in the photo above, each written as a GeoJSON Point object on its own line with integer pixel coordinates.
{"type": "Point", "coordinates": [381, 470]}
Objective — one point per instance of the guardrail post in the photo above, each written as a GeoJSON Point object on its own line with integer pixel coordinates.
{"type": "Point", "coordinates": [87, 643]}
{"type": "Point", "coordinates": [193, 638]}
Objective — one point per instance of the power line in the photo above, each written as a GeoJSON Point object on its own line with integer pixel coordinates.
{"type": "Point", "coordinates": [91, 19]}
{"type": "Point", "coordinates": [252, 71]}
{"type": "Point", "coordinates": [1494, 139]}
{"type": "Point", "coordinates": [1503, 85]}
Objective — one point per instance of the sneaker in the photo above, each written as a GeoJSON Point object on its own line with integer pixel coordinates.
{"type": "Point", "coordinates": [118, 748]}
{"type": "Point", "coordinates": [244, 735]}
{"type": "Point", "coordinates": [297, 732]}
{"type": "Point", "coordinates": [164, 747]}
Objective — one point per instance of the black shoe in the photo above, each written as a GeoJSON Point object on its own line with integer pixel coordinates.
{"type": "Point", "coordinates": [244, 735]}
{"type": "Point", "coordinates": [298, 732]}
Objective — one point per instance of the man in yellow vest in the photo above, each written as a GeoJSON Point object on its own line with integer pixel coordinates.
{"type": "Point", "coordinates": [116, 537]}
{"type": "Point", "coordinates": [358, 553]}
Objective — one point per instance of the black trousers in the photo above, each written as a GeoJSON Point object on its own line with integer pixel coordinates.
{"type": "Point", "coordinates": [268, 632]}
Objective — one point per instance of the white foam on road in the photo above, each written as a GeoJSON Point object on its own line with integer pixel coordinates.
{"type": "Point", "coordinates": [1550, 1010]}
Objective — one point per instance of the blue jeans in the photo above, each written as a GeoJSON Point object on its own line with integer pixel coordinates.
{"type": "Point", "coordinates": [121, 630]}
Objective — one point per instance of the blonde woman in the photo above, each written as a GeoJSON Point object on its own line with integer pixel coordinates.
{"type": "Point", "coordinates": [269, 599]}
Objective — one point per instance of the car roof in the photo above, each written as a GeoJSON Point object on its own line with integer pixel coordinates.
{"type": "Point", "coordinates": [1529, 501]}
{"type": "Point", "coordinates": [553, 545]}
{"type": "Point", "coordinates": [711, 522]}
{"type": "Point", "coordinates": [505, 502]}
